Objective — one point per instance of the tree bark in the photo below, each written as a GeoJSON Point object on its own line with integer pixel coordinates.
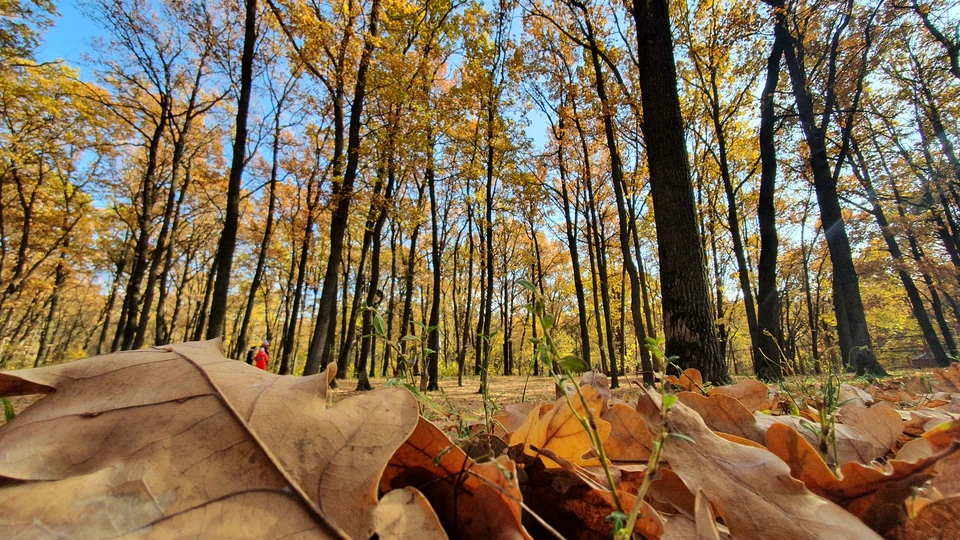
{"type": "Point", "coordinates": [231, 220]}
{"type": "Point", "coordinates": [687, 311]}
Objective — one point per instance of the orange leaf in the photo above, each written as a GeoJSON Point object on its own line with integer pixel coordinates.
{"type": "Point", "coordinates": [629, 439]}
{"type": "Point", "coordinates": [473, 500]}
{"type": "Point", "coordinates": [560, 431]}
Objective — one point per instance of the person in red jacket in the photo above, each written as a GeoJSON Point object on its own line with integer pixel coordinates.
{"type": "Point", "coordinates": [262, 359]}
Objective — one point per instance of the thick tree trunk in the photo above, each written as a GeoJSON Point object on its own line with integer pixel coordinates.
{"type": "Point", "coordinates": [687, 311]}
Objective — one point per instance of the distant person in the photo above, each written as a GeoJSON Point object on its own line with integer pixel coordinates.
{"type": "Point", "coordinates": [262, 358]}
{"type": "Point", "coordinates": [251, 354]}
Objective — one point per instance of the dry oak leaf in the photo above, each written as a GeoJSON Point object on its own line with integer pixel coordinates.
{"type": "Point", "coordinates": [472, 500]}
{"type": "Point", "coordinates": [559, 429]}
{"type": "Point", "coordinates": [406, 513]}
{"type": "Point", "coordinates": [579, 507]}
{"type": "Point", "coordinates": [873, 494]}
{"type": "Point", "coordinates": [598, 381]}
{"type": "Point", "coordinates": [948, 378]}
{"type": "Point", "coordinates": [937, 521]}
{"type": "Point", "coordinates": [751, 393]}
{"type": "Point", "coordinates": [706, 521]}
{"type": "Point", "coordinates": [852, 444]}
{"type": "Point", "coordinates": [724, 413]}
{"type": "Point", "coordinates": [510, 418]}
{"type": "Point", "coordinates": [881, 425]}
{"type": "Point", "coordinates": [752, 488]}
{"type": "Point", "coordinates": [629, 439]}
{"type": "Point", "coordinates": [162, 433]}
{"type": "Point", "coordinates": [690, 380]}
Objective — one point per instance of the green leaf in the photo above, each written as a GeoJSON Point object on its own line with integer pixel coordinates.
{"type": "Point", "coordinates": [683, 437]}
{"type": "Point", "coordinates": [419, 324]}
{"type": "Point", "coordinates": [379, 325]}
{"type": "Point", "coordinates": [528, 286]}
{"type": "Point", "coordinates": [548, 321]}
{"type": "Point", "coordinates": [669, 400]}
{"type": "Point", "coordinates": [8, 410]}
{"type": "Point", "coordinates": [428, 350]}
{"type": "Point", "coordinates": [410, 337]}
{"type": "Point", "coordinates": [573, 362]}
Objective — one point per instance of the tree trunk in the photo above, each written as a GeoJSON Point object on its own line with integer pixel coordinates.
{"type": "Point", "coordinates": [687, 311]}
{"type": "Point", "coordinates": [322, 338]}
{"type": "Point", "coordinates": [231, 220]}
{"type": "Point", "coordinates": [767, 355]}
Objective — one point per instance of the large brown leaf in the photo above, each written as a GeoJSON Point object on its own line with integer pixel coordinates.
{"type": "Point", "coordinates": [138, 441]}
{"type": "Point", "coordinates": [724, 413]}
{"type": "Point", "coordinates": [751, 393]}
{"type": "Point", "coordinates": [751, 488]}
{"type": "Point", "coordinates": [629, 439]}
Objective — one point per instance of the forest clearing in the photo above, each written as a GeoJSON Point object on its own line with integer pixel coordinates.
{"type": "Point", "coordinates": [480, 268]}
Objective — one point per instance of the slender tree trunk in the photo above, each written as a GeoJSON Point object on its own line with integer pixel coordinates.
{"type": "Point", "coordinates": [767, 355]}
{"type": "Point", "coordinates": [231, 220]}
{"type": "Point", "coordinates": [322, 338]}
{"type": "Point", "coordinates": [127, 330]}
{"type": "Point", "coordinates": [58, 281]}
{"type": "Point", "coordinates": [241, 346]}
{"type": "Point", "coordinates": [433, 324]}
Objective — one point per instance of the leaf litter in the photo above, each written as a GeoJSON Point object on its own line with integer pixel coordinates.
{"type": "Point", "coordinates": [180, 441]}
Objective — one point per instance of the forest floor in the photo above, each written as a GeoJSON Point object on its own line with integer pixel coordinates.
{"type": "Point", "coordinates": [503, 390]}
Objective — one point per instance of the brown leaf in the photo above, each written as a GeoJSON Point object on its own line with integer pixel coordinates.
{"type": "Point", "coordinates": [580, 508]}
{"type": "Point", "coordinates": [598, 381]}
{"type": "Point", "coordinates": [880, 425]}
{"type": "Point", "coordinates": [938, 520]}
{"type": "Point", "coordinates": [752, 488]}
{"type": "Point", "coordinates": [852, 444]}
{"type": "Point", "coordinates": [724, 413]}
{"type": "Point", "coordinates": [560, 431]}
{"type": "Point", "coordinates": [706, 522]}
{"type": "Point", "coordinates": [473, 500]}
{"type": "Point", "coordinates": [629, 439]}
{"type": "Point", "coordinates": [751, 393]}
{"type": "Point", "coordinates": [176, 430]}
{"type": "Point", "coordinates": [873, 494]}
{"type": "Point", "coordinates": [690, 380]}
{"type": "Point", "coordinates": [406, 513]}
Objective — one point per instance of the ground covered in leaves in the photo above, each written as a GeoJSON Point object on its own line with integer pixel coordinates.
{"type": "Point", "coordinates": [180, 441]}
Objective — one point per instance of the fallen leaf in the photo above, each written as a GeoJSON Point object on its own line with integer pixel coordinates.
{"type": "Point", "coordinates": [598, 381]}
{"type": "Point", "coordinates": [938, 520]}
{"type": "Point", "coordinates": [752, 488]}
{"type": "Point", "coordinates": [511, 417]}
{"type": "Point", "coordinates": [559, 429]}
{"type": "Point", "coordinates": [873, 494]}
{"type": "Point", "coordinates": [751, 393]}
{"type": "Point", "coordinates": [629, 439]}
{"type": "Point", "coordinates": [406, 513]}
{"type": "Point", "coordinates": [570, 503]}
{"type": "Point", "coordinates": [724, 413]}
{"type": "Point", "coordinates": [472, 500]}
{"type": "Point", "coordinates": [706, 522]}
{"type": "Point", "coordinates": [170, 431]}
{"type": "Point", "coordinates": [690, 380]}
{"type": "Point", "coordinates": [880, 425]}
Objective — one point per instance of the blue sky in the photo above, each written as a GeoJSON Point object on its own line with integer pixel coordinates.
{"type": "Point", "coordinates": [70, 38]}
